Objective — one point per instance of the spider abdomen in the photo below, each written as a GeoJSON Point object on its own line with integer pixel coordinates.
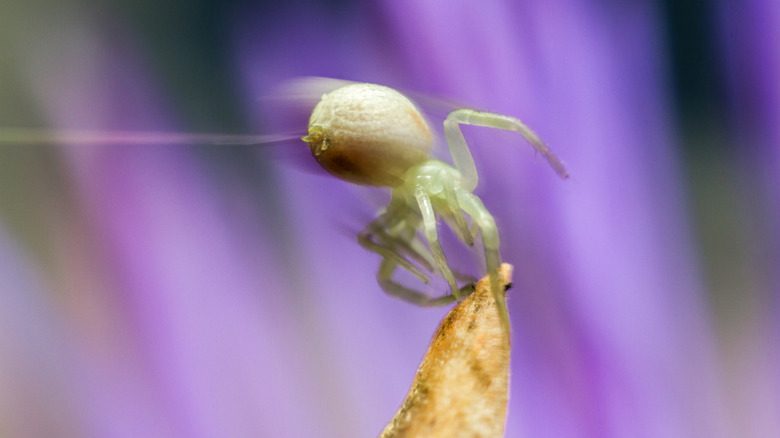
{"type": "Point", "coordinates": [368, 134]}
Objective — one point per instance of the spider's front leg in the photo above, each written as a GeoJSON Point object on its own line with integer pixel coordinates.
{"type": "Point", "coordinates": [461, 155]}
{"type": "Point", "coordinates": [432, 234]}
{"type": "Point", "coordinates": [473, 206]}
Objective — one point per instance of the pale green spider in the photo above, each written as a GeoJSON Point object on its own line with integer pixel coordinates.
{"type": "Point", "coordinates": [371, 134]}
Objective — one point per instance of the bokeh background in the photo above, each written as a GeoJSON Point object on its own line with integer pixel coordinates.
{"type": "Point", "coordinates": [202, 291]}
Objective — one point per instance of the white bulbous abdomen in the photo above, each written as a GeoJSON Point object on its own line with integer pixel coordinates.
{"type": "Point", "coordinates": [368, 134]}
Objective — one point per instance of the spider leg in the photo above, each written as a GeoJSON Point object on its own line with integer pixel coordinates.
{"type": "Point", "coordinates": [458, 223]}
{"type": "Point", "coordinates": [431, 233]}
{"type": "Point", "coordinates": [423, 251]}
{"type": "Point", "coordinates": [417, 250]}
{"type": "Point", "coordinates": [461, 155]}
{"type": "Point", "coordinates": [406, 242]}
{"type": "Point", "coordinates": [396, 230]}
{"type": "Point", "coordinates": [473, 206]}
{"type": "Point", "coordinates": [391, 287]}
{"type": "Point", "coordinates": [387, 245]}
{"type": "Point", "coordinates": [422, 254]}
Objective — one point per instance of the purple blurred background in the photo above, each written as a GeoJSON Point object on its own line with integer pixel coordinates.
{"type": "Point", "coordinates": [201, 291]}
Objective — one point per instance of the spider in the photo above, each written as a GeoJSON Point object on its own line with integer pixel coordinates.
{"type": "Point", "coordinates": [373, 135]}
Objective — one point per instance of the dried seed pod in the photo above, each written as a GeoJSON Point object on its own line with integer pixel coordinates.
{"type": "Point", "coordinates": [368, 134]}
{"type": "Point", "coordinates": [462, 385]}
